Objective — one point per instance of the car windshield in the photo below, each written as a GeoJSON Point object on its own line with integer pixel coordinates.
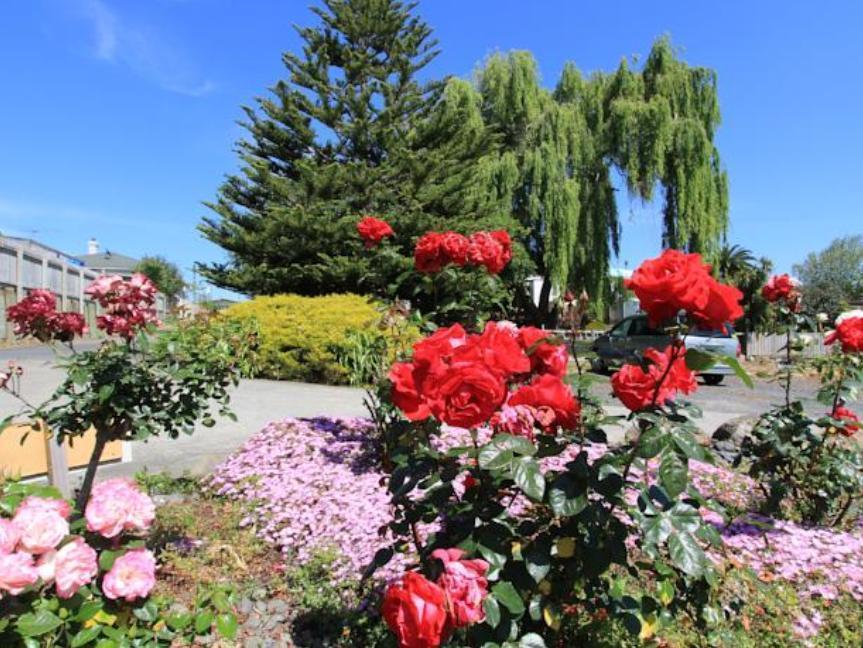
{"type": "Point", "coordinates": [712, 333]}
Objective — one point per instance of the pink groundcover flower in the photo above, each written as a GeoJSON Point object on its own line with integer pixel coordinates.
{"type": "Point", "coordinates": [117, 505]}
{"type": "Point", "coordinates": [132, 576]}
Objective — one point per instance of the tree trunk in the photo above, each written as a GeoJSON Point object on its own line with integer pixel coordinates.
{"type": "Point", "coordinates": [544, 316]}
{"type": "Point", "coordinates": [90, 475]}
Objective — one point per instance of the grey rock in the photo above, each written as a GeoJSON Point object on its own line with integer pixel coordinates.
{"type": "Point", "coordinates": [245, 606]}
{"type": "Point", "coordinates": [253, 622]}
{"type": "Point", "coordinates": [278, 606]}
{"type": "Point", "coordinates": [728, 437]}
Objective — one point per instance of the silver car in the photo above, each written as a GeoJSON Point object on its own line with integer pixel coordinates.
{"type": "Point", "coordinates": [629, 338]}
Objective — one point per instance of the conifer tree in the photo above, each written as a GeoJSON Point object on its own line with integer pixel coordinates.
{"type": "Point", "coordinates": [350, 131]}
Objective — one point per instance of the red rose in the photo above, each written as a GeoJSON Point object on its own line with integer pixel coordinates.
{"type": "Point", "coordinates": [373, 230]}
{"type": "Point", "coordinates": [415, 610]}
{"type": "Point", "coordinates": [676, 281]}
{"type": "Point", "coordinates": [852, 422]}
{"type": "Point", "coordinates": [455, 247]}
{"type": "Point", "coordinates": [636, 387]}
{"type": "Point", "coordinates": [485, 250]}
{"type": "Point", "coordinates": [548, 392]}
{"type": "Point", "coordinates": [439, 346]}
{"type": "Point", "coordinates": [67, 325]}
{"type": "Point", "coordinates": [780, 288]}
{"type": "Point", "coordinates": [503, 237]}
{"type": "Point", "coordinates": [848, 332]}
{"type": "Point", "coordinates": [502, 351]}
{"type": "Point", "coordinates": [429, 255]}
{"type": "Point", "coordinates": [463, 394]}
{"type": "Point", "coordinates": [545, 357]}
{"type": "Point", "coordinates": [465, 586]}
{"type": "Point", "coordinates": [404, 392]}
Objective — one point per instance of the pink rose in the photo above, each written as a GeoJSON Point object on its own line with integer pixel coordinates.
{"type": "Point", "coordinates": [17, 572]}
{"type": "Point", "coordinates": [47, 503]}
{"type": "Point", "coordinates": [465, 585]}
{"type": "Point", "coordinates": [9, 536]}
{"type": "Point", "coordinates": [45, 567]}
{"type": "Point", "coordinates": [117, 505]}
{"type": "Point", "coordinates": [41, 528]}
{"type": "Point", "coordinates": [74, 566]}
{"type": "Point", "coordinates": [132, 576]}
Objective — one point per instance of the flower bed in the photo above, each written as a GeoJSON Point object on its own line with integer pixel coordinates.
{"type": "Point", "coordinates": [313, 484]}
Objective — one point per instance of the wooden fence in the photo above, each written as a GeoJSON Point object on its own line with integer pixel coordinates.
{"type": "Point", "coordinates": [762, 345]}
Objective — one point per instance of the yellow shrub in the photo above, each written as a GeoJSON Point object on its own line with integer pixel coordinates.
{"type": "Point", "coordinates": [304, 338]}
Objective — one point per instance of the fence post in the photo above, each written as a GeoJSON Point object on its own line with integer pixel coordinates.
{"type": "Point", "coordinates": [58, 466]}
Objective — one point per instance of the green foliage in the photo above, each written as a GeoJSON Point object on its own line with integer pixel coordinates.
{"type": "Point", "coordinates": [833, 278]}
{"type": "Point", "coordinates": [807, 469]}
{"type": "Point", "coordinates": [558, 151]}
{"type": "Point", "coordinates": [38, 617]}
{"type": "Point", "coordinates": [349, 131]}
{"type": "Point", "coordinates": [166, 275]}
{"type": "Point", "coordinates": [149, 386]}
{"type": "Point", "coordinates": [737, 266]}
{"type": "Point", "coordinates": [568, 550]}
{"type": "Point", "coordinates": [320, 339]}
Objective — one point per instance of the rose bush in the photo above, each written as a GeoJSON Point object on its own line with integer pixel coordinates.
{"type": "Point", "coordinates": [810, 468]}
{"type": "Point", "coordinates": [553, 523]}
{"type": "Point", "coordinates": [137, 384]}
{"type": "Point", "coordinates": [66, 586]}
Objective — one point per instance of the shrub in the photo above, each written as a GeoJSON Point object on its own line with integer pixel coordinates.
{"type": "Point", "coordinates": [309, 338]}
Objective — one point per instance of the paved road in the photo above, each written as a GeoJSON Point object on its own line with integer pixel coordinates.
{"type": "Point", "coordinates": [257, 402]}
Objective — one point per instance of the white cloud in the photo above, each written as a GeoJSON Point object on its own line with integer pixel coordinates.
{"type": "Point", "coordinates": [142, 50]}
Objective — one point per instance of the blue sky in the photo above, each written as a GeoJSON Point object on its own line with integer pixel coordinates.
{"type": "Point", "coordinates": [118, 117]}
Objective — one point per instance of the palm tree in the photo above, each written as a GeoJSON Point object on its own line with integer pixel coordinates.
{"type": "Point", "coordinates": [734, 263]}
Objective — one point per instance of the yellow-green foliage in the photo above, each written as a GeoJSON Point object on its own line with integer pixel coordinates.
{"type": "Point", "coordinates": [304, 338]}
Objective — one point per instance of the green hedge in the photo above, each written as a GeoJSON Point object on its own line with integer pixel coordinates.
{"type": "Point", "coordinates": [315, 339]}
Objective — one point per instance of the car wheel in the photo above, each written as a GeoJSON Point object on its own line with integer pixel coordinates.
{"type": "Point", "coordinates": [712, 379]}
{"type": "Point", "coordinates": [598, 365]}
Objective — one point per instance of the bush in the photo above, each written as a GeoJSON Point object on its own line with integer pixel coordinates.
{"type": "Point", "coordinates": [309, 338]}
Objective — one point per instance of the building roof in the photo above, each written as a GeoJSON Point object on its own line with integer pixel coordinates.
{"type": "Point", "coordinates": [108, 261]}
{"type": "Point", "coordinates": [28, 243]}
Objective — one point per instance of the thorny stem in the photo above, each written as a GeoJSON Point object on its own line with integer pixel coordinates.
{"type": "Point", "coordinates": [788, 366]}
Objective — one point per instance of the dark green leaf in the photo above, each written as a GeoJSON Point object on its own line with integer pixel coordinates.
{"type": "Point", "coordinates": [492, 611]}
{"type": "Point", "coordinates": [738, 369]}
{"type": "Point", "coordinates": [531, 640]}
{"type": "Point", "coordinates": [85, 636]}
{"type": "Point", "coordinates": [491, 457]}
{"type": "Point", "coordinates": [673, 474]}
{"type": "Point", "coordinates": [34, 624]}
{"type": "Point", "coordinates": [528, 477]}
{"type": "Point", "coordinates": [686, 554]}
{"type": "Point", "coordinates": [537, 562]}
{"type": "Point", "coordinates": [697, 360]}
{"type": "Point", "coordinates": [509, 597]}
{"type": "Point", "coordinates": [566, 496]}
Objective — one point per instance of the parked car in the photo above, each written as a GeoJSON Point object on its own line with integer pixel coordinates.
{"type": "Point", "coordinates": [628, 339]}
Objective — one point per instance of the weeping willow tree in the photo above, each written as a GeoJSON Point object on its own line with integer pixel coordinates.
{"type": "Point", "coordinates": [558, 150]}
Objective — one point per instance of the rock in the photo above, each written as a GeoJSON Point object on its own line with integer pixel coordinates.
{"type": "Point", "coordinates": [253, 622]}
{"type": "Point", "coordinates": [728, 437]}
{"type": "Point", "coordinates": [245, 606]}
{"type": "Point", "coordinates": [278, 606]}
